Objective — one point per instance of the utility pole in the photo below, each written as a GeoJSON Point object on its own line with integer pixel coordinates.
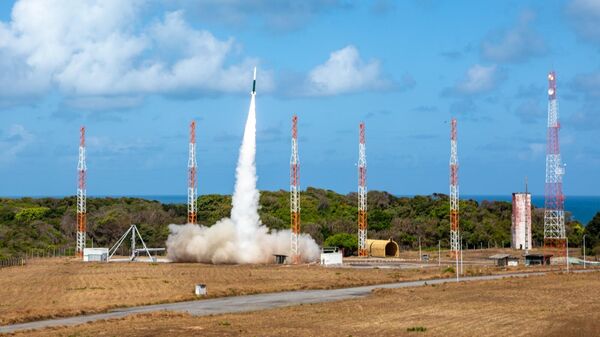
{"type": "Point", "coordinates": [456, 267]}
{"type": "Point", "coordinates": [439, 253]}
{"type": "Point", "coordinates": [461, 256]}
{"type": "Point", "coordinates": [420, 255]}
{"type": "Point", "coordinates": [567, 241]}
{"type": "Point", "coordinates": [584, 235]}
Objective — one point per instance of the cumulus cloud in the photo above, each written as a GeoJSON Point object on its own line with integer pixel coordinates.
{"type": "Point", "coordinates": [584, 15]}
{"type": "Point", "coordinates": [530, 111]}
{"type": "Point", "coordinates": [346, 72]}
{"type": "Point", "coordinates": [103, 48]}
{"type": "Point", "coordinates": [13, 141]}
{"type": "Point", "coordinates": [587, 117]}
{"type": "Point", "coordinates": [517, 44]}
{"type": "Point", "coordinates": [588, 84]}
{"type": "Point", "coordinates": [478, 79]}
{"type": "Point", "coordinates": [279, 15]}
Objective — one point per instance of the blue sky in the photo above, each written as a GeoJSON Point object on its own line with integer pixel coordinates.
{"type": "Point", "coordinates": [135, 73]}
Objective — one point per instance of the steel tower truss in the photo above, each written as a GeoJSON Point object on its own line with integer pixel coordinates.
{"type": "Point", "coordinates": [554, 214]}
{"type": "Point", "coordinates": [294, 193]}
{"type": "Point", "coordinates": [454, 205]}
{"type": "Point", "coordinates": [192, 188]}
{"type": "Point", "coordinates": [362, 193]}
{"type": "Point", "coordinates": [81, 196]}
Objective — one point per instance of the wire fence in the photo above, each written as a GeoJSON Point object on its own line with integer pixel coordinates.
{"type": "Point", "coordinates": [12, 262]}
{"type": "Point", "coordinates": [31, 254]}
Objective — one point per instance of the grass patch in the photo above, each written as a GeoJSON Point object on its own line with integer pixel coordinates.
{"type": "Point", "coordinates": [450, 270]}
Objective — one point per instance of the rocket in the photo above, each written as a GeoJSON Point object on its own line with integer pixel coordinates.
{"type": "Point", "coordinates": [254, 83]}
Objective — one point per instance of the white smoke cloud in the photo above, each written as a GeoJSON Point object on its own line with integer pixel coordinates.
{"type": "Point", "coordinates": [241, 238]}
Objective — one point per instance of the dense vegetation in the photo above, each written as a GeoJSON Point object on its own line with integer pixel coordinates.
{"type": "Point", "coordinates": [49, 223]}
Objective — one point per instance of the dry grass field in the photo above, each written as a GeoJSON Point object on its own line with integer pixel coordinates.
{"type": "Point", "coordinates": [554, 305]}
{"type": "Point", "coordinates": [60, 287]}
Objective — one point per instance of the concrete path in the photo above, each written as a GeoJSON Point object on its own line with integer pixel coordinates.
{"type": "Point", "coordinates": [248, 303]}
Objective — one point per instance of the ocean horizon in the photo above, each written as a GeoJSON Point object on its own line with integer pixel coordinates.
{"type": "Point", "coordinates": [582, 208]}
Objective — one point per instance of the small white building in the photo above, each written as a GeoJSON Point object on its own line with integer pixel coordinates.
{"type": "Point", "coordinates": [331, 257]}
{"type": "Point", "coordinates": [521, 221]}
{"type": "Point", "coordinates": [95, 255]}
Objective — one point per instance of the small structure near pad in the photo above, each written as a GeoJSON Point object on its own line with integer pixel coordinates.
{"type": "Point", "coordinates": [331, 256]}
{"type": "Point", "coordinates": [95, 254]}
{"type": "Point", "coordinates": [383, 248]}
{"type": "Point", "coordinates": [135, 252]}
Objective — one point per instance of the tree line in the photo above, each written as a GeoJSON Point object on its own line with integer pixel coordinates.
{"type": "Point", "coordinates": [329, 217]}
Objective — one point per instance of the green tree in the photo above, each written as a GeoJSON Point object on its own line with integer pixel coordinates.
{"type": "Point", "coordinates": [32, 213]}
{"type": "Point", "coordinates": [592, 230]}
{"type": "Point", "coordinates": [348, 242]}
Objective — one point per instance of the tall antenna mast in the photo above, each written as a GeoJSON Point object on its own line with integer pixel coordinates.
{"type": "Point", "coordinates": [362, 193]}
{"type": "Point", "coordinates": [294, 196]}
{"type": "Point", "coordinates": [192, 188]}
{"type": "Point", "coordinates": [554, 213]}
{"type": "Point", "coordinates": [454, 226]}
{"type": "Point", "coordinates": [81, 196]}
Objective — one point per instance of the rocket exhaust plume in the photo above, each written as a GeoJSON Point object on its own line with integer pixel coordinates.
{"type": "Point", "coordinates": [242, 238]}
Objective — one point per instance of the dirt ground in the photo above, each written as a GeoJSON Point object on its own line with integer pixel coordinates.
{"type": "Point", "coordinates": [553, 305]}
{"type": "Point", "coordinates": [56, 287]}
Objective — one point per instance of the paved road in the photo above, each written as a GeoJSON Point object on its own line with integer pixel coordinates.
{"type": "Point", "coordinates": [247, 303]}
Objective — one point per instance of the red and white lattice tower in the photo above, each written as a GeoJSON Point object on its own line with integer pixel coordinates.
{"type": "Point", "coordinates": [554, 214]}
{"type": "Point", "coordinates": [362, 193]}
{"type": "Point", "coordinates": [454, 227]}
{"type": "Point", "coordinates": [294, 196]}
{"type": "Point", "coordinates": [81, 197]}
{"type": "Point", "coordinates": [192, 188]}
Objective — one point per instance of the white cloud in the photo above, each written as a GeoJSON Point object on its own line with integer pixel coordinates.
{"type": "Point", "coordinates": [13, 141]}
{"type": "Point", "coordinates": [345, 72]}
{"type": "Point", "coordinates": [103, 103]}
{"type": "Point", "coordinates": [530, 111]}
{"type": "Point", "coordinates": [585, 17]}
{"type": "Point", "coordinates": [517, 44]}
{"type": "Point", "coordinates": [587, 116]}
{"type": "Point", "coordinates": [273, 14]}
{"type": "Point", "coordinates": [532, 152]}
{"type": "Point", "coordinates": [103, 48]}
{"type": "Point", "coordinates": [588, 84]}
{"type": "Point", "coordinates": [479, 79]}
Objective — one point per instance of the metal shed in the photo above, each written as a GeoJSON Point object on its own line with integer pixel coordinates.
{"type": "Point", "coordinates": [383, 248]}
{"type": "Point", "coordinates": [537, 259]}
{"type": "Point", "coordinates": [503, 260]}
{"type": "Point", "coordinates": [95, 254]}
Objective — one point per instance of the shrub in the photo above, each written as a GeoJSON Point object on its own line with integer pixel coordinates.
{"type": "Point", "coordinates": [32, 213]}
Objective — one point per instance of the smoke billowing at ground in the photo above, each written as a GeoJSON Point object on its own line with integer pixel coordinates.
{"type": "Point", "coordinates": [241, 238]}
